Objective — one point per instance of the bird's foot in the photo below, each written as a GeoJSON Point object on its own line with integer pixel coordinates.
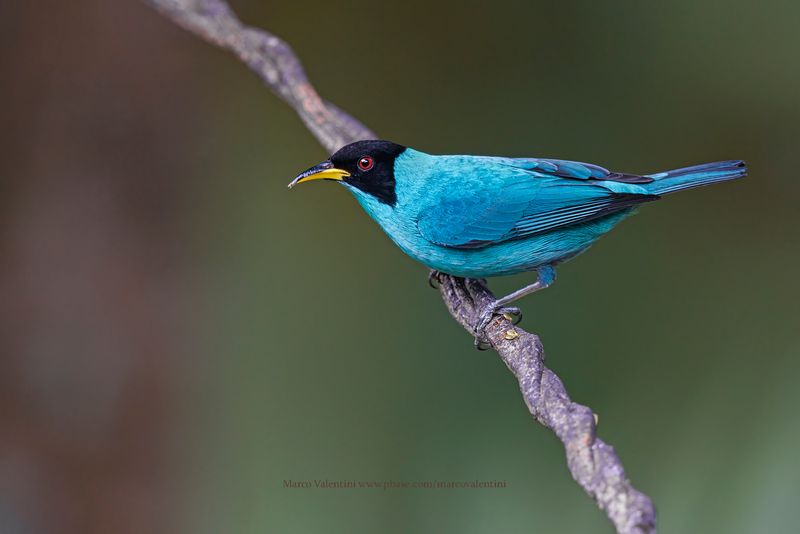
{"type": "Point", "coordinates": [433, 278]}
{"type": "Point", "coordinates": [512, 313]}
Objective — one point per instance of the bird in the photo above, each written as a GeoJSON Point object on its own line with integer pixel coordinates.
{"type": "Point", "coordinates": [485, 216]}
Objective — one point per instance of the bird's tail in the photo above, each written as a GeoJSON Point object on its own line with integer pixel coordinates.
{"type": "Point", "coordinates": [708, 173]}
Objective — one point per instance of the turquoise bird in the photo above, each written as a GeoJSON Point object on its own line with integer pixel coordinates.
{"type": "Point", "coordinates": [482, 216]}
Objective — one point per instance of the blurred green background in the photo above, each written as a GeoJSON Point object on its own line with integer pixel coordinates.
{"type": "Point", "coordinates": [182, 334]}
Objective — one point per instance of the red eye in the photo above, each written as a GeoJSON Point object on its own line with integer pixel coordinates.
{"type": "Point", "coordinates": [366, 163]}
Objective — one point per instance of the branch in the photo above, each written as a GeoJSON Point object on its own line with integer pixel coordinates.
{"type": "Point", "coordinates": [593, 463]}
{"type": "Point", "coordinates": [272, 60]}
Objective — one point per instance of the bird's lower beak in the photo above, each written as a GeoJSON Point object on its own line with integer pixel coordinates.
{"type": "Point", "coordinates": [323, 171]}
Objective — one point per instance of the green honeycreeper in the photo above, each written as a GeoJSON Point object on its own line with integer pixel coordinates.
{"type": "Point", "coordinates": [481, 216]}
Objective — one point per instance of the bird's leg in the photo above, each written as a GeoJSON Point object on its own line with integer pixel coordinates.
{"type": "Point", "coordinates": [546, 275]}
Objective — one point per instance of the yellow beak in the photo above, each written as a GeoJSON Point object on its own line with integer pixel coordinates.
{"type": "Point", "coordinates": [323, 171]}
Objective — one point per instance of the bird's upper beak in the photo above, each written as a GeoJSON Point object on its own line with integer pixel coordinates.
{"type": "Point", "coordinates": [323, 171]}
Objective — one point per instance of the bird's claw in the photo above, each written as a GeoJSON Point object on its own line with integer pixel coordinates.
{"type": "Point", "coordinates": [514, 312]}
{"type": "Point", "coordinates": [433, 279]}
{"type": "Point", "coordinates": [486, 316]}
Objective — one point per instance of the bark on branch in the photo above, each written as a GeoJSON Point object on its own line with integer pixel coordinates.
{"type": "Point", "coordinates": [592, 462]}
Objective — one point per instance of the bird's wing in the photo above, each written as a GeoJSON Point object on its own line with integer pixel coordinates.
{"type": "Point", "coordinates": [512, 198]}
{"type": "Point", "coordinates": [573, 169]}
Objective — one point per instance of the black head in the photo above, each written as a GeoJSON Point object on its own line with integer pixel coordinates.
{"type": "Point", "coordinates": [365, 165]}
